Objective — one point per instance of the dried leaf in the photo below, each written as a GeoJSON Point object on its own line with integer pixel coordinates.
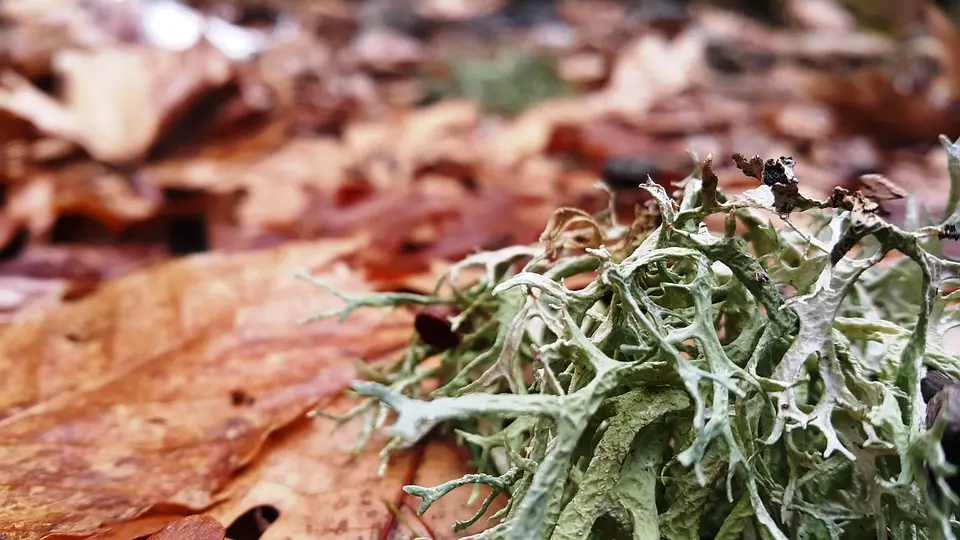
{"type": "Point", "coordinates": [143, 87]}
{"type": "Point", "coordinates": [456, 10]}
{"type": "Point", "coordinates": [638, 80]}
{"type": "Point", "coordinates": [869, 102]}
{"type": "Point", "coordinates": [81, 263]}
{"type": "Point", "coordinates": [564, 231]}
{"type": "Point", "coordinates": [752, 168]}
{"type": "Point", "coordinates": [824, 15]}
{"type": "Point", "coordinates": [129, 398]}
{"type": "Point", "coordinates": [709, 182]}
{"type": "Point", "coordinates": [323, 491]}
{"type": "Point", "coordinates": [91, 189]}
{"type": "Point", "coordinates": [383, 49]}
{"type": "Point", "coordinates": [880, 188]}
{"type": "Point", "coordinates": [200, 527]}
{"type": "Point", "coordinates": [945, 31]}
{"type": "Point", "coordinates": [19, 292]}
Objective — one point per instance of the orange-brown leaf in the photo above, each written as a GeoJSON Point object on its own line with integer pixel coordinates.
{"type": "Point", "coordinates": [198, 527]}
{"type": "Point", "coordinates": [323, 492]}
{"type": "Point", "coordinates": [156, 388]}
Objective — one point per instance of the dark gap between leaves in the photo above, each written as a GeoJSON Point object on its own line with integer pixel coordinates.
{"type": "Point", "coordinates": [256, 16]}
{"type": "Point", "coordinates": [16, 245]}
{"type": "Point", "coordinates": [74, 229]}
{"type": "Point", "coordinates": [48, 83]}
{"type": "Point", "coordinates": [187, 234]}
{"type": "Point", "coordinates": [185, 226]}
{"type": "Point", "coordinates": [184, 130]}
{"type": "Point", "coordinates": [252, 523]}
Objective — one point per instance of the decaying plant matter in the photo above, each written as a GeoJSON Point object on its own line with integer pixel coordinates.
{"type": "Point", "coordinates": [763, 381]}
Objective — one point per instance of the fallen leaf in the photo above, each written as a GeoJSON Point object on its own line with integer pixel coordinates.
{"type": "Point", "coordinates": [391, 153]}
{"type": "Point", "coordinates": [456, 10]}
{"type": "Point", "coordinates": [79, 262]}
{"type": "Point", "coordinates": [89, 189]}
{"type": "Point", "coordinates": [199, 527]}
{"type": "Point", "coordinates": [826, 15]}
{"type": "Point", "coordinates": [323, 491]}
{"type": "Point", "coordinates": [143, 88]}
{"type": "Point", "coordinates": [35, 31]}
{"type": "Point", "coordinates": [157, 387]}
{"type": "Point", "coordinates": [652, 68]}
{"type": "Point", "coordinates": [387, 50]}
{"type": "Point", "coordinates": [946, 33]}
{"type": "Point", "coordinates": [22, 292]}
{"type": "Point", "coordinates": [141, 527]}
{"type": "Point", "coordinates": [880, 188]}
{"type": "Point", "coordinates": [868, 102]}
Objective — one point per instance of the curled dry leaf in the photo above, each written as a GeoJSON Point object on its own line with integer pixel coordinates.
{"type": "Point", "coordinates": [157, 387]}
{"type": "Point", "coordinates": [143, 88]}
{"type": "Point", "coordinates": [880, 188]}
{"type": "Point", "coordinates": [323, 491]}
{"type": "Point", "coordinates": [84, 188]}
{"type": "Point", "coordinates": [640, 78]}
{"type": "Point", "coordinates": [565, 230]}
{"type": "Point", "coordinates": [417, 183]}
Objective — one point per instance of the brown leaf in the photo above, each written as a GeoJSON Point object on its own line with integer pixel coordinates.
{"type": "Point", "coordinates": [639, 80]}
{"type": "Point", "coordinates": [144, 88]}
{"type": "Point", "coordinates": [383, 49]}
{"type": "Point", "coordinates": [824, 15]}
{"type": "Point", "coordinates": [322, 491]}
{"type": "Point", "coordinates": [880, 188]}
{"type": "Point", "coordinates": [309, 186]}
{"type": "Point", "coordinates": [81, 263]}
{"type": "Point", "coordinates": [90, 189]}
{"type": "Point", "coordinates": [945, 31]}
{"type": "Point", "coordinates": [127, 399]}
{"type": "Point", "coordinates": [709, 181]}
{"type": "Point", "coordinates": [200, 527]}
{"type": "Point", "coordinates": [752, 168]}
{"type": "Point", "coordinates": [140, 527]}
{"type": "Point", "coordinates": [869, 102]}
{"type": "Point", "coordinates": [456, 10]}
{"type": "Point", "coordinates": [21, 292]}
{"type": "Point", "coordinates": [565, 230]}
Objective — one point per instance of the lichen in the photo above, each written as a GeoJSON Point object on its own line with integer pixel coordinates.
{"type": "Point", "coordinates": [759, 381]}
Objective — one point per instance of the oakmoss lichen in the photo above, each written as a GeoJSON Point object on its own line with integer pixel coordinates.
{"type": "Point", "coordinates": [758, 382]}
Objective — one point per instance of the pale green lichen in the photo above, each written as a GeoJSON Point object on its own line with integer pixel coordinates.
{"type": "Point", "coordinates": [752, 383]}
